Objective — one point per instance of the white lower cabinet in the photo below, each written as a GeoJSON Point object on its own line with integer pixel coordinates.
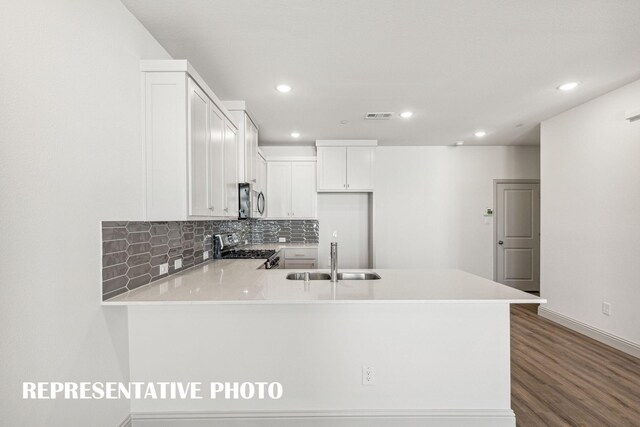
{"type": "Point", "coordinates": [291, 187]}
{"type": "Point", "coordinates": [300, 264]}
{"type": "Point", "coordinates": [301, 258]}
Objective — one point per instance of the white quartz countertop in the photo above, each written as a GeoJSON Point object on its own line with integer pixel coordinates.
{"type": "Point", "coordinates": [239, 282]}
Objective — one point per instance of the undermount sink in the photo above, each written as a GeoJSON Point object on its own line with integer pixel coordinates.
{"type": "Point", "coordinates": [312, 276]}
{"type": "Point", "coordinates": [358, 276]}
{"type": "Point", "coordinates": [341, 276]}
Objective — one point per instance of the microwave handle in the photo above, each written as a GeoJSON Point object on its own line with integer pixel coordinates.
{"type": "Point", "coordinates": [260, 203]}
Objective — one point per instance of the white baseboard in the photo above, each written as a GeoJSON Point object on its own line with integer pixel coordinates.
{"type": "Point", "coordinates": [597, 334]}
{"type": "Point", "coordinates": [337, 418]}
{"type": "Point", "coordinates": [126, 422]}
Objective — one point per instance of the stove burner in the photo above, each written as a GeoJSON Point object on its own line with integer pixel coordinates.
{"type": "Point", "coordinates": [248, 254]}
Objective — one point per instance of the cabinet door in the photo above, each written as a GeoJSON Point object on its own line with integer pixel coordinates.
{"type": "Point", "coordinates": [303, 190]}
{"type": "Point", "coordinates": [332, 168]}
{"type": "Point", "coordinates": [360, 162]}
{"type": "Point", "coordinates": [217, 201]}
{"type": "Point", "coordinates": [260, 186]}
{"type": "Point", "coordinates": [198, 141]}
{"type": "Point", "coordinates": [230, 170]}
{"type": "Point", "coordinates": [279, 189]}
{"type": "Point", "coordinates": [251, 149]}
{"type": "Point", "coordinates": [300, 264]}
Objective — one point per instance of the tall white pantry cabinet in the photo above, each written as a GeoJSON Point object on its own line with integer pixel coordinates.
{"type": "Point", "coordinates": [191, 146]}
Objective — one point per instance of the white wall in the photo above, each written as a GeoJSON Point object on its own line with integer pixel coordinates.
{"type": "Point", "coordinates": [70, 156]}
{"type": "Point", "coordinates": [429, 203]}
{"type": "Point", "coordinates": [348, 215]}
{"type": "Point", "coordinates": [288, 150]}
{"type": "Point", "coordinates": [590, 159]}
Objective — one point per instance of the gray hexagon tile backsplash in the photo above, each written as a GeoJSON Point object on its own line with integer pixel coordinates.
{"type": "Point", "coordinates": [133, 251]}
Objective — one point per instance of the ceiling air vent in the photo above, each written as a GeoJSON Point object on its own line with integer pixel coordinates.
{"type": "Point", "coordinates": [378, 116]}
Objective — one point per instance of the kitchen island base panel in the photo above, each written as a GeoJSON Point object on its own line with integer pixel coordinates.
{"type": "Point", "coordinates": [426, 357]}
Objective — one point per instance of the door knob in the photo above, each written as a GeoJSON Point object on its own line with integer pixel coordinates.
{"type": "Point", "coordinates": [500, 242]}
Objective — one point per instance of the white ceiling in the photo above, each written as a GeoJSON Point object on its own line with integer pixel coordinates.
{"type": "Point", "coordinates": [460, 65]}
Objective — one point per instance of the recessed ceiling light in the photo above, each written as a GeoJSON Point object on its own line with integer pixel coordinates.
{"type": "Point", "coordinates": [295, 134]}
{"type": "Point", "coordinates": [283, 88]}
{"type": "Point", "coordinates": [568, 86]}
{"type": "Point", "coordinates": [406, 114]}
{"type": "Point", "coordinates": [480, 133]}
{"type": "Point", "coordinates": [459, 142]}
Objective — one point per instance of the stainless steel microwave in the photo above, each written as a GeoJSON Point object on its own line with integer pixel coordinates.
{"type": "Point", "coordinates": [246, 198]}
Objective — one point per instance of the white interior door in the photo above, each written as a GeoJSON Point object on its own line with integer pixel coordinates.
{"type": "Point", "coordinates": [517, 224]}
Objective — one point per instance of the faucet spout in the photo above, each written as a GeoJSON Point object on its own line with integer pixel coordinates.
{"type": "Point", "coordinates": [334, 262]}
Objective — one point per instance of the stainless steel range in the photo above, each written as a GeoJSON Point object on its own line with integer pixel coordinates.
{"type": "Point", "coordinates": [227, 246]}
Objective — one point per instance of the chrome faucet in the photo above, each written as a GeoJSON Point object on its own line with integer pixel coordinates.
{"type": "Point", "coordinates": [334, 262]}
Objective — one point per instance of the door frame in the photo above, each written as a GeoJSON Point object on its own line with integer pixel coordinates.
{"type": "Point", "coordinates": [495, 215]}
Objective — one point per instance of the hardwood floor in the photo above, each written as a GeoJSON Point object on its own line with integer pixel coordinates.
{"type": "Point", "coordinates": [562, 378]}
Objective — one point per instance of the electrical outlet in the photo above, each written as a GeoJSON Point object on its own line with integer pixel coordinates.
{"type": "Point", "coordinates": [606, 308]}
{"type": "Point", "coordinates": [282, 239]}
{"type": "Point", "coordinates": [205, 255]}
{"type": "Point", "coordinates": [177, 264]}
{"type": "Point", "coordinates": [164, 268]}
{"type": "Point", "coordinates": [368, 376]}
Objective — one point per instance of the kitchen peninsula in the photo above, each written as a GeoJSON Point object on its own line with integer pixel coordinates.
{"type": "Point", "coordinates": [437, 343]}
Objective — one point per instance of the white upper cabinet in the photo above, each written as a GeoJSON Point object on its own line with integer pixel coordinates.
{"type": "Point", "coordinates": [346, 165]}
{"type": "Point", "coordinates": [291, 190]}
{"type": "Point", "coordinates": [231, 208]}
{"type": "Point", "coordinates": [332, 168]}
{"type": "Point", "coordinates": [261, 174]}
{"type": "Point", "coordinates": [186, 133]}
{"type": "Point", "coordinates": [279, 190]}
{"type": "Point", "coordinates": [247, 142]}
{"type": "Point", "coordinates": [360, 161]}
{"type": "Point", "coordinates": [251, 151]}
{"type": "Point", "coordinates": [197, 148]}
{"type": "Point", "coordinates": [260, 187]}
{"type": "Point", "coordinates": [303, 190]}
{"type": "Point", "coordinates": [216, 162]}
